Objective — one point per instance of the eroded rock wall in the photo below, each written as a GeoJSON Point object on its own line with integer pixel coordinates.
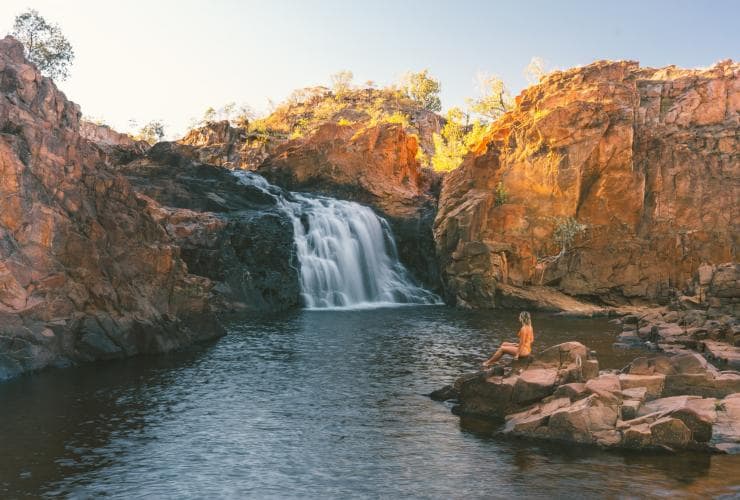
{"type": "Point", "coordinates": [646, 158]}
{"type": "Point", "coordinates": [85, 272]}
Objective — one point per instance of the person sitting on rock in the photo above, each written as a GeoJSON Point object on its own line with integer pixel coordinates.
{"type": "Point", "coordinates": [521, 350]}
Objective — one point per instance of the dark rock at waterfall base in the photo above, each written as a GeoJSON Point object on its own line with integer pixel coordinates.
{"type": "Point", "coordinates": [231, 233]}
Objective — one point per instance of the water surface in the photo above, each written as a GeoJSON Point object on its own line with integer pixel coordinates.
{"type": "Point", "coordinates": [316, 404]}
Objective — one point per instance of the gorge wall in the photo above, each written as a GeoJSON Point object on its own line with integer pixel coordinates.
{"type": "Point", "coordinates": [647, 159]}
{"type": "Point", "coordinates": [85, 272]}
{"type": "Point", "coordinates": [109, 248]}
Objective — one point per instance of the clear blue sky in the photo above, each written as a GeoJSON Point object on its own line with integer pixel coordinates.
{"type": "Point", "coordinates": [170, 60]}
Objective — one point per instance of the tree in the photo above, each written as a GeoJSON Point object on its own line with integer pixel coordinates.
{"type": "Point", "coordinates": [341, 82]}
{"type": "Point", "coordinates": [44, 43]}
{"type": "Point", "coordinates": [449, 146]}
{"type": "Point", "coordinates": [209, 115]}
{"type": "Point", "coordinates": [535, 70]}
{"type": "Point", "coordinates": [495, 99]}
{"type": "Point", "coordinates": [424, 89]}
{"type": "Point", "coordinates": [566, 230]}
{"type": "Point", "coordinates": [457, 138]}
{"type": "Point", "coordinates": [152, 132]}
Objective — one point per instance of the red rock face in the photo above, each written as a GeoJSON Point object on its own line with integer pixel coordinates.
{"type": "Point", "coordinates": [85, 271]}
{"type": "Point", "coordinates": [375, 165]}
{"type": "Point", "coordinates": [647, 159]}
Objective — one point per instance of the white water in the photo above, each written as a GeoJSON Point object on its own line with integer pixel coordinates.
{"type": "Point", "coordinates": [347, 253]}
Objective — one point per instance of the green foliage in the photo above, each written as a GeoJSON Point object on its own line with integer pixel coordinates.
{"type": "Point", "coordinates": [424, 89]}
{"type": "Point", "coordinates": [399, 118]}
{"type": "Point", "coordinates": [341, 82]}
{"type": "Point", "coordinates": [565, 232]}
{"type": "Point", "coordinates": [152, 132]}
{"type": "Point", "coordinates": [495, 99]}
{"type": "Point", "coordinates": [501, 195]}
{"type": "Point", "coordinates": [456, 140]}
{"type": "Point", "coordinates": [422, 157]}
{"type": "Point", "coordinates": [45, 44]}
{"type": "Point", "coordinates": [300, 128]}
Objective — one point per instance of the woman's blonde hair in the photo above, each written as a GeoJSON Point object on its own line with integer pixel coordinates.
{"type": "Point", "coordinates": [525, 318]}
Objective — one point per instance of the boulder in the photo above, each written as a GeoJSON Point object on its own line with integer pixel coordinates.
{"type": "Point", "coordinates": [670, 432]}
{"type": "Point", "coordinates": [653, 384]}
{"type": "Point", "coordinates": [580, 420]}
{"type": "Point", "coordinates": [534, 384]}
{"type": "Point", "coordinates": [572, 391]}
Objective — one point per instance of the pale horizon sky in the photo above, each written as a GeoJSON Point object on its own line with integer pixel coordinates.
{"type": "Point", "coordinates": [170, 60]}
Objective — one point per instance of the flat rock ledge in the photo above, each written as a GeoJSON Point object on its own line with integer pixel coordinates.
{"type": "Point", "coordinates": [666, 401]}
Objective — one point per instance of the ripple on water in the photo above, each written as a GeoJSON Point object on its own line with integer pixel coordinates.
{"type": "Point", "coordinates": [329, 404]}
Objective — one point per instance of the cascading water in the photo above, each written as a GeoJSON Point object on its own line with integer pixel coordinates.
{"type": "Point", "coordinates": [347, 253]}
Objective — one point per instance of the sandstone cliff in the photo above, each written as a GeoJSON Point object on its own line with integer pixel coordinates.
{"type": "Point", "coordinates": [85, 273]}
{"type": "Point", "coordinates": [647, 159]}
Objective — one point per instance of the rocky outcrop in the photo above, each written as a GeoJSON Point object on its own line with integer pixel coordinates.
{"type": "Point", "coordinates": [705, 321]}
{"type": "Point", "coordinates": [220, 143]}
{"type": "Point", "coordinates": [376, 166]}
{"type": "Point", "coordinates": [646, 159]}
{"type": "Point", "coordinates": [669, 402]}
{"type": "Point", "coordinates": [85, 272]}
{"type": "Point", "coordinates": [234, 234]}
{"type": "Point", "coordinates": [104, 136]}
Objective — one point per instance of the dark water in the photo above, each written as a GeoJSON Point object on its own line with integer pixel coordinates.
{"type": "Point", "coordinates": [317, 404]}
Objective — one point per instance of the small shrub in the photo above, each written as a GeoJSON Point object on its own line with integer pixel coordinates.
{"type": "Point", "coordinates": [566, 231]}
{"type": "Point", "coordinates": [343, 122]}
{"type": "Point", "coordinates": [399, 118]}
{"type": "Point", "coordinates": [501, 194]}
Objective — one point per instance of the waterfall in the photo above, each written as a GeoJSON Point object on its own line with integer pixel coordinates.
{"type": "Point", "coordinates": [347, 253]}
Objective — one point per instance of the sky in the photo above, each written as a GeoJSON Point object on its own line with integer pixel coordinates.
{"type": "Point", "coordinates": [170, 60]}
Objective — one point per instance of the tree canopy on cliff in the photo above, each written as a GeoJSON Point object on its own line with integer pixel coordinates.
{"type": "Point", "coordinates": [495, 99]}
{"type": "Point", "coordinates": [423, 88]}
{"type": "Point", "coordinates": [45, 44]}
{"type": "Point", "coordinates": [151, 132]}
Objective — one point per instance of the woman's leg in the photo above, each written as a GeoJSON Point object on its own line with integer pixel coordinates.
{"type": "Point", "coordinates": [506, 348]}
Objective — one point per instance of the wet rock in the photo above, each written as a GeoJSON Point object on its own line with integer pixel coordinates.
{"type": "Point", "coordinates": [446, 393]}
{"type": "Point", "coordinates": [533, 385]}
{"type": "Point", "coordinates": [652, 384]}
{"type": "Point", "coordinates": [231, 233]}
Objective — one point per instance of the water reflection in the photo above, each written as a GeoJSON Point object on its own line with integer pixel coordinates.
{"type": "Point", "coordinates": [328, 404]}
